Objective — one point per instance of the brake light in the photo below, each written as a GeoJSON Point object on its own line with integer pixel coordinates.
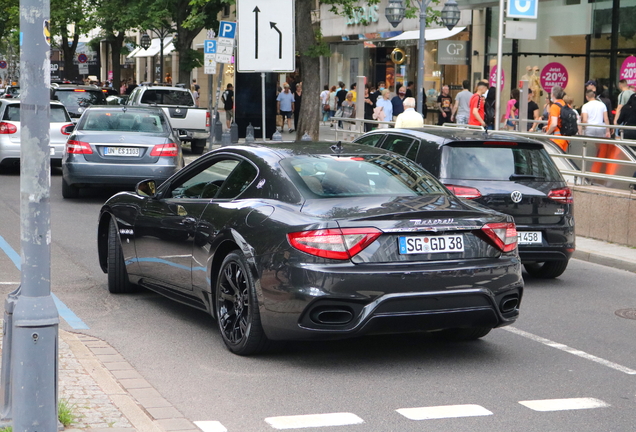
{"type": "Point", "coordinates": [563, 196]}
{"type": "Point", "coordinates": [63, 129]}
{"type": "Point", "coordinates": [207, 119]}
{"type": "Point", "coordinates": [7, 128]}
{"type": "Point", "coordinates": [169, 149]}
{"type": "Point", "coordinates": [79, 90]}
{"type": "Point", "coordinates": [503, 235]}
{"type": "Point", "coordinates": [464, 191]}
{"type": "Point", "coordinates": [78, 147]}
{"type": "Point", "coordinates": [104, 91]}
{"type": "Point", "coordinates": [338, 243]}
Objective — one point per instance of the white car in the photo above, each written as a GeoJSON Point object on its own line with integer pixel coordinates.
{"type": "Point", "coordinates": [10, 132]}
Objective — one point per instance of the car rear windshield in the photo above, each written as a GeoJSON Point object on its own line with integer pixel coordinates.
{"type": "Point", "coordinates": [99, 120]}
{"type": "Point", "coordinates": [504, 162]}
{"type": "Point", "coordinates": [340, 176]}
{"type": "Point", "coordinates": [167, 97]}
{"type": "Point", "coordinates": [58, 114]}
{"type": "Point", "coordinates": [80, 97]}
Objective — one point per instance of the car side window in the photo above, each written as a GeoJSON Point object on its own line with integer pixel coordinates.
{"type": "Point", "coordinates": [204, 183]}
{"type": "Point", "coordinates": [398, 144]}
{"type": "Point", "coordinates": [238, 181]}
{"type": "Point", "coordinates": [370, 140]}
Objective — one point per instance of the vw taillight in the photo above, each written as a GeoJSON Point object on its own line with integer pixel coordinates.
{"type": "Point", "coordinates": [563, 196]}
{"type": "Point", "coordinates": [464, 191]}
{"type": "Point", "coordinates": [335, 243]}
{"type": "Point", "coordinates": [78, 147]}
{"type": "Point", "coordinates": [63, 129]}
{"type": "Point", "coordinates": [169, 149]}
{"type": "Point", "coordinates": [7, 128]}
{"type": "Point", "coordinates": [502, 235]}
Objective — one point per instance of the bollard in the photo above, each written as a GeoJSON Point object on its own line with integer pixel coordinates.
{"type": "Point", "coordinates": [226, 140]}
{"type": "Point", "coordinates": [218, 129]}
{"type": "Point", "coordinates": [249, 138]}
{"type": "Point", "coordinates": [305, 137]}
{"type": "Point", "coordinates": [5, 376]}
{"type": "Point", "coordinates": [234, 133]}
{"type": "Point", "coordinates": [249, 131]}
{"type": "Point", "coordinates": [277, 136]}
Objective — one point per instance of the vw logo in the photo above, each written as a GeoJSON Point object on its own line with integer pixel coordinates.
{"type": "Point", "coordinates": [516, 196]}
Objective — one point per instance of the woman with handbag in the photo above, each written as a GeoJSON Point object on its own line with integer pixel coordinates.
{"type": "Point", "coordinates": [324, 103]}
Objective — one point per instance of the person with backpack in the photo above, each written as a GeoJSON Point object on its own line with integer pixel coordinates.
{"type": "Point", "coordinates": [489, 108]}
{"type": "Point", "coordinates": [627, 117]}
{"type": "Point", "coordinates": [560, 118]}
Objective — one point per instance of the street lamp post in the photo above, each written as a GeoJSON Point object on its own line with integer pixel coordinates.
{"type": "Point", "coordinates": [145, 42]}
{"type": "Point", "coordinates": [395, 12]}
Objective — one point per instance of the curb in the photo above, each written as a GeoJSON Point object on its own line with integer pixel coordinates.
{"type": "Point", "coordinates": [137, 400]}
{"type": "Point", "coordinates": [604, 260]}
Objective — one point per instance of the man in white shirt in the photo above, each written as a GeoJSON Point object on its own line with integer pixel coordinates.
{"type": "Point", "coordinates": [409, 118]}
{"type": "Point", "coordinates": [595, 112]}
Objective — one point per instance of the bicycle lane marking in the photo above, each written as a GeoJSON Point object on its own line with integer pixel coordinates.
{"type": "Point", "coordinates": [65, 312]}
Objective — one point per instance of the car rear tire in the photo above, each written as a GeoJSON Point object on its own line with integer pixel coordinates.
{"type": "Point", "coordinates": [236, 306]}
{"type": "Point", "coordinates": [118, 282]}
{"type": "Point", "coordinates": [69, 191]}
{"type": "Point", "coordinates": [464, 334]}
{"type": "Point", "coordinates": [197, 146]}
{"type": "Point", "coordinates": [546, 270]}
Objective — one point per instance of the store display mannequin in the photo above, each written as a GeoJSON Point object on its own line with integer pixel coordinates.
{"type": "Point", "coordinates": [534, 83]}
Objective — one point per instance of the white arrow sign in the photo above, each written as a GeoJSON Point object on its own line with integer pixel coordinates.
{"type": "Point", "coordinates": [266, 36]}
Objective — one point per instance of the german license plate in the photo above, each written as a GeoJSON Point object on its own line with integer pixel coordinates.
{"type": "Point", "coordinates": [121, 151]}
{"type": "Point", "coordinates": [529, 237]}
{"type": "Point", "coordinates": [431, 244]}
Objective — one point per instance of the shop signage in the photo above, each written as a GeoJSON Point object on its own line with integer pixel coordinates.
{"type": "Point", "coordinates": [452, 52]}
{"type": "Point", "coordinates": [628, 70]}
{"type": "Point", "coordinates": [493, 78]}
{"type": "Point", "coordinates": [522, 8]}
{"type": "Point", "coordinates": [553, 74]}
{"type": "Point", "coordinates": [364, 15]}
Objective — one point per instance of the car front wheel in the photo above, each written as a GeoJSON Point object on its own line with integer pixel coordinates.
{"type": "Point", "coordinates": [237, 307]}
{"type": "Point", "coordinates": [546, 270]}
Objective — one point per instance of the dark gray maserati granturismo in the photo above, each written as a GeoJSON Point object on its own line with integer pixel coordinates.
{"type": "Point", "coordinates": [314, 240]}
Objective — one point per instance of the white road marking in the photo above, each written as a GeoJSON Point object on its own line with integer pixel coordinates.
{"type": "Point", "coordinates": [313, 420]}
{"type": "Point", "coordinates": [210, 426]}
{"type": "Point", "coordinates": [570, 350]}
{"type": "Point", "coordinates": [564, 404]}
{"type": "Point", "coordinates": [9, 283]}
{"type": "Point", "coordinates": [445, 411]}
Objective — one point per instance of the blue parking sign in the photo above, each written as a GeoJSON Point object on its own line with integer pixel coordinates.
{"type": "Point", "coordinates": [227, 29]}
{"type": "Point", "coordinates": [522, 8]}
{"type": "Point", "coordinates": [209, 47]}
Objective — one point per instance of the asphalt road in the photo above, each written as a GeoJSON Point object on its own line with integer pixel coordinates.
{"type": "Point", "coordinates": [568, 344]}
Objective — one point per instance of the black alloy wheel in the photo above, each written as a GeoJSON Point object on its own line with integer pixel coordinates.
{"type": "Point", "coordinates": [118, 282]}
{"type": "Point", "coordinates": [237, 307]}
{"type": "Point", "coordinates": [546, 270]}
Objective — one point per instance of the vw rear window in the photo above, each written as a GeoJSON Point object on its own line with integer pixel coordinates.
{"type": "Point", "coordinates": [167, 97]}
{"type": "Point", "coordinates": [331, 176]}
{"type": "Point", "coordinates": [498, 163]}
{"type": "Point", "coordinates": [83, 98]}
{"type": "Point", "coordinates": [58, 114]}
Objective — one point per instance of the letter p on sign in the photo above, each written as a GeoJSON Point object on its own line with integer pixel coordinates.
{"type": "Point", "coordinates": [227, 29]}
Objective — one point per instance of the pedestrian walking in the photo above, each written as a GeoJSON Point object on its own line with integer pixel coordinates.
{"type": "Point", "coordinates": [477, 105]}
{"type": "Point", "coordinates": [512, 111]}
{"type": "Point", "coordinates": [341, 95]}
{"type": "Point", "coordinates": [445, 106]}
{"type": "Point", "coordinates": [377, 94]}
{"type": "Point", "coordinates": [332, 102]}
{"type": "Point", "coordinates": [554, 122]}
{"type": "Point", "coordinates": [489, 108]}
{"type": "Point", "coordinates": [298, 97]}
{"type": "Point", "coordinates": [409, 118]}
{"type": "Point", "coordinates": [461, 108]}
{"type": "Point", "coordinates": [628, 117]}
{"type": "Point", "coordinates": [383, 109]}
{"type": "Point", "coordinates": [228, 104]}
{"type": "Point", "coordinates": [368, 109]}
{"type": "Point", "coordinates": [398, 101]}
{"type": "Point", "coordinates": [623, 97]}
{"type": "Point", "coordinates": [354, 91]}
{"type": "Point", "coordinates": [285, 106]}
{"type": "Point", "coordinates": [348, 111]}
{"type": "Point", "coordinates": [324, 103]}
{"type": "Point", "coordinates": [533, 113]}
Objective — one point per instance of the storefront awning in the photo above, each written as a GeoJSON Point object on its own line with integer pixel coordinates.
{"type": "Point", "coordinates": [133, 52]}
{"type": "Point", "coordinates": [429, 34]}
{"type": "Point", "coordinates": [154, 48]}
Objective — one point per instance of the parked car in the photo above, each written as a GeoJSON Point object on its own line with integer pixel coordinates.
{"type": "Point", "coordinates": [118, 147]}
{"type": "Point", "coordinates": [512, 175]}
{"type": "Point", "coordinates": [10, 132]}
{"type": "Point", "coordinates": [306, 241]}
{"type": "Point", "coordinates": [76, 98]}
{"type": "Point", "coordinates": [193, 123]}
{"type": "Point", "coordinates": [11, 92]}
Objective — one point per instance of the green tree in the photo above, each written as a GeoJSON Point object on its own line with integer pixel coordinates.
{"type": "Point", "coordinates": [78, 15]}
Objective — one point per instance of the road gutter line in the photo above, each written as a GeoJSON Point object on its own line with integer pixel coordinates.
{"type": "Point", "coordinates": [570, 350]}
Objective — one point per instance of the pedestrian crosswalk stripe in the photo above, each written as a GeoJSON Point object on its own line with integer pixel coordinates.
{"type": "Point", "coordinates": [210, 426]}
{"type": "Point", "coordinates": [445, 411]}
{"type": "Point", "coordinates": [313, 420]}
{"type": "Point", "coordinates": [564, 404]}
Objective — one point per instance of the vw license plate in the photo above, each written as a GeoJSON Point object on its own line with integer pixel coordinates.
{"type": "Point", "coordinates": [431, 244]}
{"type": "Point", "coordinates": [121, 151]}
{"type": "Point", "coordinates": [529, 237]}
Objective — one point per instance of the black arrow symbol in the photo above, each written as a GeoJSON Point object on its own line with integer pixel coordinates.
{"type": "Point", "coordinates": [280, 39]}
{"type": "Point", "coordinates": [256, 12]}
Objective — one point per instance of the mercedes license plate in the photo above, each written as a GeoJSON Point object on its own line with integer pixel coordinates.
{"type": "Point", "coordinates": [431, 244]}
{"type": "Point", "coordinates": [121, 151]}
{"type": "Point", "coordinates": [529, 237]}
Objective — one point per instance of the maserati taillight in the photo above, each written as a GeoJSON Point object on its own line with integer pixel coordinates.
{"type": "Point", "coordinates": [502, 235]}
{"type": "Point", "coordinates": [334, 243]}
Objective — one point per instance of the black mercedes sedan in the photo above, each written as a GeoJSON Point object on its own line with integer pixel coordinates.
{"type": "Point", "coordinates": [299, 241]}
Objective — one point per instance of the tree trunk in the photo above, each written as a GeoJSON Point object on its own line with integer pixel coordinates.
{"type": "Point", "coordinates": [184, 42]}
{"type": "Point", "coordinates": [116, 43]}
{"type": "Point", "coordinates": [69, 55]}
{"type": "Point", "coordinates": [310, 109]}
